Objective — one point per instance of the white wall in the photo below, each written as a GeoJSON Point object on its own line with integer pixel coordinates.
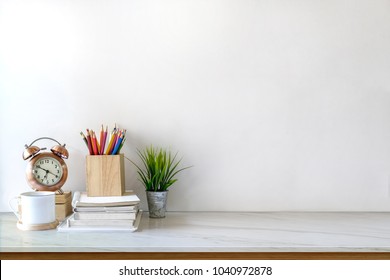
{"type": "Point", "coordinates": [278, 104]}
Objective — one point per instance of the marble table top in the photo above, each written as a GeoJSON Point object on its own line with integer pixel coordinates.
{"type": "Point", "coordinates": [217, 232]}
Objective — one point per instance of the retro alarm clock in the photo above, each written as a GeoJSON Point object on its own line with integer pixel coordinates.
{"type": "Point", "coordinates": [46, 171]}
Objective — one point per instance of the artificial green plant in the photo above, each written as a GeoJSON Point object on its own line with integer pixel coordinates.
{"type": "Point", "coordinates": [158, 169]}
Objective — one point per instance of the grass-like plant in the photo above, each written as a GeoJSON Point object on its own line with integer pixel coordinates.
{"type": "Point", "coordinates": [158, 169]}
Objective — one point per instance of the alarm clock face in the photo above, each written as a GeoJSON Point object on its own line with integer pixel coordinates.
{"type": "Point", "coordinates": [46, 172]}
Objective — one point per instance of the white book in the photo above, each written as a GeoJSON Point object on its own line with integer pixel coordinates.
{"type": "Point", "coordinates": [104, 216]}
{"type": "Point", "coordinates": [101, 223]}
{"type": "Point", "coordinates": [109, 209]}
{"type": "Point", "coordinates": [70, 225]}
{"type": "Point", "coordinates": [81, 199]}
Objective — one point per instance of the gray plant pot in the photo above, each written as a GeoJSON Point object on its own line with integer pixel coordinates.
{"type": "Point", "coordinates": [157, 203]}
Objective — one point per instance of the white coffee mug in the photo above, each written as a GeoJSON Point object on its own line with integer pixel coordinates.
{"type": "Point", "coordinates": [35, 208]}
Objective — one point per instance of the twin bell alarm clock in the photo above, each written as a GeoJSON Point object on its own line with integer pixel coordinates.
{"type": "Point", "coordinates": [46, 171]}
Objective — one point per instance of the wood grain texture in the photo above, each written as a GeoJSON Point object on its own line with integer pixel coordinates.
{"type": "Point", "coordinates": [197, 256]}
{"type": "Point", "coordinates": [105, 175]}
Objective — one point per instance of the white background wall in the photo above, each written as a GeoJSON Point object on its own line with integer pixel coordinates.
{"type": "Point", "coordinates": [278, 104]}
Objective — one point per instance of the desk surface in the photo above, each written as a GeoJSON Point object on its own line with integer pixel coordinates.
{"type": "Point", "coordinates": [216, 232]}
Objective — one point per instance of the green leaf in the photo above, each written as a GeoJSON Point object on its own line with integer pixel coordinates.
{"type": "Point", "coordinates": [157, 169]}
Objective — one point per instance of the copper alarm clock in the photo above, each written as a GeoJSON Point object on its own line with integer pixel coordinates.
{"type": "Point", "coordinates": [46, 171]}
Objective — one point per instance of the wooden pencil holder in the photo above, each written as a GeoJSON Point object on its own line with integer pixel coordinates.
{"type": "Point", "coordinates": [105, 175]}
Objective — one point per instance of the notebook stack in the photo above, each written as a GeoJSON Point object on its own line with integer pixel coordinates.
{"type": "Point", "coordinates": [103, 213]}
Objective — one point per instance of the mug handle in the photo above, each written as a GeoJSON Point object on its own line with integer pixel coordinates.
{"type": "Point", "coordinates": [12, 208]}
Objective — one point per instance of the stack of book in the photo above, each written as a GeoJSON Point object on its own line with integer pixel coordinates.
{"type": "Point", "coordinates": [103, 213]}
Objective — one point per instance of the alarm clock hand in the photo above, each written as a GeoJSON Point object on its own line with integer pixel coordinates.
{"type": "Point", "coordinates": [55, 175]}
{"type": "Point", "coordinates": [47, 171]}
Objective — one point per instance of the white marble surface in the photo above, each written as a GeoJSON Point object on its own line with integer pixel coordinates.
{"type": "Point", "coordinates": [217, 232]}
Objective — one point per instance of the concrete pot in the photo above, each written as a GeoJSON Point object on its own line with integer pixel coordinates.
{"type": "Point", "coordinates": [157, 203]}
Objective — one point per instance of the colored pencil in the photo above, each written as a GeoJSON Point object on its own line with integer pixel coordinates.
{"type": "Point", "coordinates": [103, 142]}
{"type": "Point", "coordinates": [98, 146]}
{"type": "Point", "coordinates": [110, 144]}
{"type": "Point", "coordinates": [94, 146]}
{"type": "Point", "coordinates": [120, 147]}
{"type": "Point", "coordinates": [89, 143]}
{"type": "Point", "coordinates": [84, 139]}
{"type": "Point", "coordinates": [117, 145]}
